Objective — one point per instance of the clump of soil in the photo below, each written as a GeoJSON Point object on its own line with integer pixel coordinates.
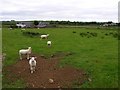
{"type": "Point", "coordinates": [47, 75]}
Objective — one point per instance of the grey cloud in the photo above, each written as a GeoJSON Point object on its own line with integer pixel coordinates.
{"type": "Point", "coordinates": [58, 10]}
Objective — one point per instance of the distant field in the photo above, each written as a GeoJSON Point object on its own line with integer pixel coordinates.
{"type": "Point", "coordinates": [93, 49]}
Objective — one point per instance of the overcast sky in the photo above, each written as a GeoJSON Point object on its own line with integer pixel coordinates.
{"type": "Point", "coordinates": [72, 10]}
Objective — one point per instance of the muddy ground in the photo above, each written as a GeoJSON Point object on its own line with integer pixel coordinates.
{"type": "Point", "coordinates": [46, 69]}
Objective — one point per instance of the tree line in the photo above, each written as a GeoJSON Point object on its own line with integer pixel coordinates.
{"type": "Point", "coordinates": [76, 23]}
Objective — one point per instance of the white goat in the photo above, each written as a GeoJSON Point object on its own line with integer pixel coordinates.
{"type": "Point", "coordinates": [10, 28]}
{"type": "Point", "coordinates": [44, 36]}
{"type": "Point", "coordinates": [25, 51]}
{"type": "Point", "coordinates": [32, 63]}
{"type": "Point", "coordinates": [49, 43]}
{"type": "Point", "coordinates": [23, 29]}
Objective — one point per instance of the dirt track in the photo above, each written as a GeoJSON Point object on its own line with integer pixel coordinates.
{"type": "Point", "coordinates": [46, 69]}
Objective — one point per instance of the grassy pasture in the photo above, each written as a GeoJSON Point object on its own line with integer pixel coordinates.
{"type": "Point", "coordinates": [0, 59]}
{"type": "Point", "coordinates": [97, 55]}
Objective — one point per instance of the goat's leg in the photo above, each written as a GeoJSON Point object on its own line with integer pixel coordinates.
{"type": "Point", "coordinates": [31, 69]}
{"type": "Point", "coordinates": [41, 38]}
{"type": "Point", "coordinates": [20, 56]}
{"type": "Point", "coordinates": [27, 56]}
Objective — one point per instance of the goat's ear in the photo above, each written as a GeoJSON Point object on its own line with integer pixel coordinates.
{"type": "Point", "coordinates": [30, 57]}
{"type": "Point", "coordinates": [35, 57]}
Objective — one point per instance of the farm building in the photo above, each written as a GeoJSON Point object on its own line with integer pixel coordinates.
{"type": "Point", "coordinates": [111, 24]}
{"type": "Point", "coordinates": [25, 24]}
{"type": "Point", "coordinates": [42, 24]}
{"type": "Point", "coordinates": [21, 25]}
{"type": "Point", "coordinates": [31, 24]}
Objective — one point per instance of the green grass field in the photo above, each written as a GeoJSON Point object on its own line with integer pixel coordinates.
{"type": "Point", "coordinates": [0, 60]}
{"type": "Point", "coordinates": [97, 55]}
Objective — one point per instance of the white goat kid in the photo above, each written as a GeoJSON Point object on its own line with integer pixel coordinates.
{"type": "Point", "coordinates": [49, 43]}
{"type": "Point", "coordinates": [23, 29]}
{"type": "Point", "coordinates": [44, 36]}
{"type": "Point", "coordinates": [25, 52]}
{"type": "Point", "coordinates": [32, 63]}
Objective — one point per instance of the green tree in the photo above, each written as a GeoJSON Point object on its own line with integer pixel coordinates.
{"type": "Point", "coordinates": [36, 23]}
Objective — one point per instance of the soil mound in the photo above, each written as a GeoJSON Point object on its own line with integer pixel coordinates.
{"type": "Point", "coordinates": [48, 74]}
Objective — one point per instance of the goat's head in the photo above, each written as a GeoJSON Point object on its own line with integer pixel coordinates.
{"type": "Point", "coordinates": [47, 34]}
{"type": "Point", "coordinates": [29, 47]}
{"type": "Point", "coordinates": [29, 50]}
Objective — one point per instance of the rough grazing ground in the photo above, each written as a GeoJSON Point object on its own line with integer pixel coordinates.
{"type": "Point", "coordinates": [46, 69]}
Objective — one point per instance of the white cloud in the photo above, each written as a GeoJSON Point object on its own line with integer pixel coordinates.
{"type": "Point", "coordinates": [75, 10]}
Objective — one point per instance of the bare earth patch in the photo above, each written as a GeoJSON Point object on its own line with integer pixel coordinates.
{"type": "Point", "coordinates": [47, 75]}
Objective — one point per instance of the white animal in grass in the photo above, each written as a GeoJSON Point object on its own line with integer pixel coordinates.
{"type": "Point", "coordinates": [10, 28]}
{"type": "Point", "coordinates": [25, 52]}
{"type": "Point", "coordinates": [32, 63]}
{"type": "Point", "coordinates": [49, 43]}
{"type": "Point", "coordinates": [44, 36]}
{"type": "Point", "coordinates": [23, 29]}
